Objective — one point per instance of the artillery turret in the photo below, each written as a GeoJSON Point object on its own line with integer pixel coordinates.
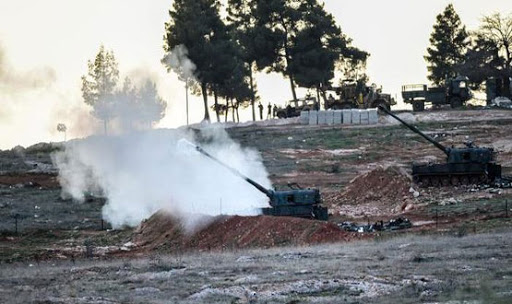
{"type": "Point", "coordinates": [467, 165]}
{"type": "Point", "coordinates": [304, 203]}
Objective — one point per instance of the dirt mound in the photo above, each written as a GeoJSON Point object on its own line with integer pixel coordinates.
{"type": "Point", "coordinates": [163, 232]}
{"type": "Point", "coordinates": [379, 185]}
{"type": "Point", "coordinates": [30, 180]}
{"type": "Point", "coordinates": [384, 190]}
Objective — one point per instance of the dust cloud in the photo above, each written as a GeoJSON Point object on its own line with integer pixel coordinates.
{"type": "Point", "coordinates": [143, 172]}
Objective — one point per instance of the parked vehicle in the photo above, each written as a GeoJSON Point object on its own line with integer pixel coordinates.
{"type": "Point", "coordinates": [353, 95]}
{"type": "Point", "coordinates": [464, 165]}
{"type": "Point", "coordinates": [294, 107]}
{"type": "Point", "coordinates": [455, 92]}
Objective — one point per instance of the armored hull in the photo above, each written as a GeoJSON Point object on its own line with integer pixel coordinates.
{"type": "Point", "coordinates": [455, 174]}
{"type": "Point", "coordinates": [305, 211]}
{"type": "Point", "coordinates": [305, 203]}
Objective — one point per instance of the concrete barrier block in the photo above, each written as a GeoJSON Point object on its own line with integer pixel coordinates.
{"type": "Point", "coordinates": [304, 117]}
{"type": "Point", "coordinates": [364, 117]}
{"type": "Point", "coordinates": [322, 117]}
{"type": "Point", "coordinates": [313, 117]}
{"type": "Point", "coordinates": [373, 116]}
{"type": "Point", "coordinates": [329, 117]}
{"type": "Point", "coordinates": [337, 117]}
{"type": "Point", "coordinates": [347, 117]}
{"type": "Point", "coordinates": [356, 117]}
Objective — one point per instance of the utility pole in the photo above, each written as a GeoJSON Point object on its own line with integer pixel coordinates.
{"type": "Point", "coordinates": [186, 96]}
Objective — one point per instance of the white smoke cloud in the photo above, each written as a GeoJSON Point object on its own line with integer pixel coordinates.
{"type": "Point", "coordinates": [14, 81]}
{"type": "Point", "coordinates": [177, 59]}
{"type": "Point", "coordinates": [143, 172]}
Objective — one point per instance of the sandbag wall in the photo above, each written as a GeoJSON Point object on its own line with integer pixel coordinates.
{"type": "Point", "coordinates": [338, 117]}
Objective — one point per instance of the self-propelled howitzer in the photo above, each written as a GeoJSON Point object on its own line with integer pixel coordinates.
{"type": "Point", "coordinates": [304, 203]}
{"type": "Point", "coordinates": [467, 165]}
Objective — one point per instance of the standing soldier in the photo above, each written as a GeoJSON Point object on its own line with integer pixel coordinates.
{"type": "Point", "coordinates": [269, 112]}
{"type": "Point", "coordinates": [260, 106]}
{"type": "Point", "coordinates": [274, 111]}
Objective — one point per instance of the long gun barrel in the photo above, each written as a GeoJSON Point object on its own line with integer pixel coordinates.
{"type": "Point", "coordinates": [267, 192]}
{"type": "Point", "coordinates": [415, 130]}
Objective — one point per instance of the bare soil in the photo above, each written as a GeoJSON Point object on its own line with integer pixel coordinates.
{"type": "Point", "coordinates": [235, 232]}
{"type": "Point", "coordinates": [363, 173]}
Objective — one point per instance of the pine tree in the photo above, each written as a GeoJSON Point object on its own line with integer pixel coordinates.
{"type": "Point", "coordinates": [196, 25]}
{"type": "Point", "coordinates": [98, 86]}
{"type": "Point", "coordinates": [307, 42]}
{"type": "Point", "coordinates": [448, 44]}
{"type": "Point", "coordinates": [318, 46]}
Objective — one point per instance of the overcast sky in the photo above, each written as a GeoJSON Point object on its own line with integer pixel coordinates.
{"type": "Point", "coordinates": [45, 45]}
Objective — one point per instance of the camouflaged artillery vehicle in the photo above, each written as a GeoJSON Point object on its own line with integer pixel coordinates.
{"type": "Point", "coordinates": [354, 95]}
{"type": "Point", "coordinates": [466, 165]}
{"type": "Point", "coordinates": [305, 203]}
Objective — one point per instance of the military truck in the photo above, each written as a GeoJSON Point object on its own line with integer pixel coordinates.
{"type": "Point", "coordinates": [353, 95]}
{"type": "Point", "coordinates": [455, 92]}
{"type": "Point", "coordinates": [294, 107]}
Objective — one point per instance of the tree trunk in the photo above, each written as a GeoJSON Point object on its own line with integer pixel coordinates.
{"type": "Point", "coordinates": [506, 86]}
{"type": "Point", "coordinates": [216, 104]}
{"type": "Point", "coordinates": [233, 109]}
{"type": "Point", "coordinates": [293, 86]}
{"type": "Point", "coordinates": [318, 97]}
{"type": "Point", "coordinates": [253, 97]}
{"type": "Point", "coordinates": [237, 116]}
{"type": "Point", "coordinates": [290, 74]}
{"type": "Point", "coordinates": [227, 110]}
{"type": "Point", "coordinates": [506, 80]}
{"type": "Point", "coordinates": [324, 96]}
{"type": "Point", "coordinates": [205, 101]}
{"type": "Point", "coordinates": [105, 122]}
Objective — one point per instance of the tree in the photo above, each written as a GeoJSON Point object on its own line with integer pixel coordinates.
{"type": "Point", "coordinates": [253, 41]}
{"type": "Point", "coordinates": [152, 106]}
{"type": "Point", "coordinates": [482, 61]}
{"type": "Point", "coordinates": [227, 63]}
{"type": "Point", "coordinates": [318, 46]}
{"type": "Point", "coordinates": [306, 41]}
{"type": "Point", "coordinates": [498, 31]}
{"type": "Point", "coordinates": [236, 90]}
{"type": "Point", "coordinates": [62, 128]}
{"type": "Point", "coordinates": [98, 86]}
{"type": "Point", "coordinates": [283, 20]}
{"type": "Point", "coordinates": [126, 104]}
{"type": "Point", "coordinates": [448, 44]}
{"type": "Point", "coordinates": [195, 25]}
{"type": "Point", "coordinates": [139, 106]}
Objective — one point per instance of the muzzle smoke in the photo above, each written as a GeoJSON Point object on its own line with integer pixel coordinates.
{"type": "Point", "coordinates": [143, 172]}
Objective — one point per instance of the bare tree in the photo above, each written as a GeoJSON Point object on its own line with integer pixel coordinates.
{"type": "Point", "coordinates": [498, 29]}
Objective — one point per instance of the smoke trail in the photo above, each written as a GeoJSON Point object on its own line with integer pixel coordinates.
{"type": "Point", "coordinates": [177, 59]}
{"type": "Point", "coordinates": [143, 172]}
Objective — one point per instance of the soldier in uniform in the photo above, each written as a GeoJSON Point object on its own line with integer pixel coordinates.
{"type": "Point", "coordinates": [260, 106]}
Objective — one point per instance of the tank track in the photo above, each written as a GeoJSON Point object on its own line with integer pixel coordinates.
{"type": "Point", "coordinates": [426, 181]}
